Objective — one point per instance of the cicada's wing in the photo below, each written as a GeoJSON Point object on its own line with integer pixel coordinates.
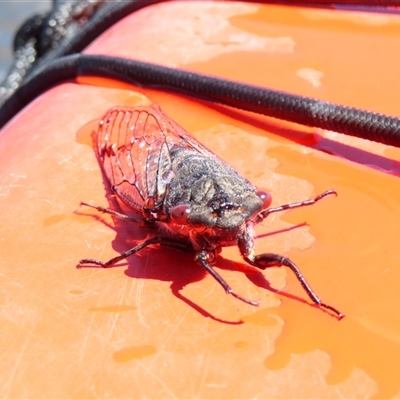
{"type": "Point", "coordinates": [175, 130]}
{"type": "Point", "coordinates": [133, 144]}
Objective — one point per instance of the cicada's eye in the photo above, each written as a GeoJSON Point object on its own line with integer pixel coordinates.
{"type": "Point", "coordinates": [265, 198]}
{"type": "Point", "coordinates": [179, 214]}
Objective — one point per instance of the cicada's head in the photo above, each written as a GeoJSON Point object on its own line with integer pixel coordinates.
{"type": "Point", "coordinates": [220, 215]}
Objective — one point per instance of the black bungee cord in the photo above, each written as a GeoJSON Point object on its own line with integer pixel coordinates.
{"type": "Point", "coordinates": [59, 67]}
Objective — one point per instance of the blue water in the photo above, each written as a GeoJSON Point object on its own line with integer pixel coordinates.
{"type": "Point", "coordinates": [12, 14]}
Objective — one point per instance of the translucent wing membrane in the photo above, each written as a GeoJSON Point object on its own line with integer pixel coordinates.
{"type": "Point", "coordinates": [134, 146]}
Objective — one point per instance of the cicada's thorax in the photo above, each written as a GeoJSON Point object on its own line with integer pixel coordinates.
{"type": "Point", "coordinates": [207, 200]}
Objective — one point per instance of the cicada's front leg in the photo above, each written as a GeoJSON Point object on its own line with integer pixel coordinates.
{"type": "Point", "coordinates": [266, 260]}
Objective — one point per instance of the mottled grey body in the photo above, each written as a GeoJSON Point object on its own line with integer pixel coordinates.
{"type": "Point", "coordinates": [218, 196]}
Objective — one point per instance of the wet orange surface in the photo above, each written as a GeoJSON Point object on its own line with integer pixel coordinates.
{"type": "Point", "coordinates": [158, 326]}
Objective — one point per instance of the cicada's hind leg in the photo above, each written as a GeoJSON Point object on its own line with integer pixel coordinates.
{"type": "Point", "coordinates": [162, 241]}
{"type": "Point", "coordinates": [202, 258]}
{"type": "Point", "coordinates": [87, 262]}
{"type": "Point", "coordinates": [267, 260]}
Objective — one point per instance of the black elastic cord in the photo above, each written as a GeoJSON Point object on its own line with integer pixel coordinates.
{"type": "Point", "coordinates": [303, 110]}
{"type": "Point", "coordinates": [54, 73]}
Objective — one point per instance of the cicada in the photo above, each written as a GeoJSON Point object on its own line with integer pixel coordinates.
{"type": "Point", "coordinates": [193, 199]}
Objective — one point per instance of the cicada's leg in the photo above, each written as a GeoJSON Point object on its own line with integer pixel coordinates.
{"type": "Point", "coordinates": [162, 241]}
{"type": "Point", "coordinates": [267, 260]}
{"type": "Point", "coordinates": [112, 212]}
{"type": "Point", "coordinates": [90, 261]}
{"type": "Point", "coordinates": [202, 259]}
{"type": "Point", "coordinates": [264, 214]}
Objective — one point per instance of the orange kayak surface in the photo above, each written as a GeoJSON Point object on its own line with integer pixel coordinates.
{"type": "Point", "coordinates": [158, 326]}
